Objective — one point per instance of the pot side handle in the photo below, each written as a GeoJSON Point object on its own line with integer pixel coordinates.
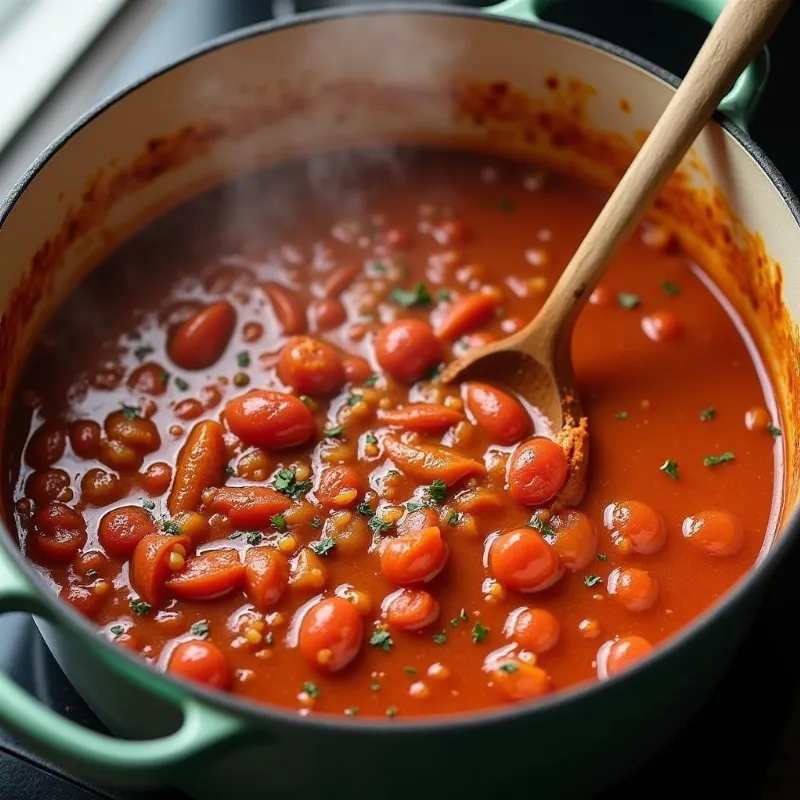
{"type": "Point", "coordinates": [203, 732]}
{"type": "Point", "coordinates": [738, 105]}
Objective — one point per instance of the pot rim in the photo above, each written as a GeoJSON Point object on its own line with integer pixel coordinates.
{"type": "Point", "coordinates": [268, 713]}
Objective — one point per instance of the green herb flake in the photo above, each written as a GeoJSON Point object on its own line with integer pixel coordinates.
{"type": "Point", "coordinates": [243, 359]}
{"type": "Point", "coordinates": [371, 380]}
{"type": "Point", "coordinates": [129, 412]}
{"type": "Point", "coordinates": [324, 546]}
{"type": "Point", "coordinates": [621, 415]}
{"type": "Point", "coordinates": [142, 352]}
{"type": "Point", "coordinates": [722, 458]}
{"type": "Point", "coordinates": [311, 689]}
{"type": "Point", "coordinates": [418, 296]}
{"type": "Point", "coordinates": [374, 687]}
{"type": "Point", "coordinates": [376, 266]}
{"type": "Point", "coordinates": [139, 607]}
{"type": "Point", "coordinates": [455, 518]}
{"type": "Point", "coordinates": [253, 538]}
{"type": "Point", "coordinates": [434, 372]}
{"type": "Point", "coordinates": [411, 506]}
{"type": "Point", "coordinates": [370, 438]}
{"type": "Point", "coordinates": [172, 528]}
{"type": "Point", "coordinates": [278, 521]}
{"type": "Point", "coordinates": [164, 377]}
{"type": "Point", "coordinates": [286, 483]}
{"type": "Point", "coordinates": [592, 580]}
{"type": "Point", "coordinates": [409, 671]}
{"type": "Point", "coordinates": [454, 622]}
{"type": "Point", "coordinates": [479, 633]}
{"type": "Point", "coordinates": [444, 295]}
{"type": "Point", "coordinates": [707, 414]}
{"type": "Point", "coordinates": [351, 711]}
{"type": "Point", "coordinates": [670, 288]}
{"type": "Point", "coordinates": [382, 640]}
{"type": "Point", "coordinates": [364, 508]}
{"type": "Point", "coordinates": [354, 399]}
{"type": "Point", "coordinates": [335, 432]}
{"type": "Point", "coordinates": [229, 470]}
{"type": "Point", "coordinates": [509, 667]}
{"type": "Point", "coordinates": [181, 384]}
{"type": "Point", "coordinates": [602, 557]}
{"type": "Point", "coordinates": [670, 468]}
{"type": "Point", "coordinates": [316, 522]}
{"type": "Point", "coordinates": [92, 573]}
{"type": "Point", "coordinates": [148, 504]}
{"type": "Point", "coordinates": [437, 491]}
{"type": "Point", "coordinates": [628, 301]}
{"type": "Point", "coordinates": [378, 526]}
{"type": "Point", "coordinates": [117, 630]}
{"type": "Point", "coordinates": [538, 524]}
{"type": "Point", "coordinates": [200, 628]}
{"type": "Point", "coordinates": [439, 638]}
{"type": "Point", "coordinates": [773, 431]}
{"type": "Point", "coordinates": [391, 712]}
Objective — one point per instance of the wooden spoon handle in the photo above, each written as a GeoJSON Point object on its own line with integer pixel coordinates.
{"type": "Point", "coordinates": [737, 36]}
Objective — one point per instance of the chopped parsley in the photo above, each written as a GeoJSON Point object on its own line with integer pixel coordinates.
{"type": "Point", "coordinates": [621, 415]}
{"type": "Point", "coordinates": [278, 521]}
{"type": "Point", "coordinates": [286, 483]}
{"type": "Point", "coordinates": [354, 399]}
{"type": "Point", "coordinates": [335, 432]}
{"type": "Point", "coordinates": [773, 431]}
{"type": "Point", "coordinates": [479, 633]}
{"type": "Point", "coordinates": [129, 412]}
{"type": "Point", "coordinates": [164, 377]}
{"type": "Point", "coordinates": [627, 300]}
{"type": "Point", "coordinates": [707, 414]}
{"type": "Point", "coordinates": [323, 546]}
{"type": "Point", "coordinates": [439, 638]}
{"type": "Point", "coordinates": [364, 508]}
{"type": "Point", "coordinates": [308, 401]}
{"type": "Point", "coordinates": [602, 557]}
{"type": "Point", "coordinates": [371, 438]}
{"type": "Point", "coordinates": [200, 628]}
{"type": "Point", "coordinates": [455, 518]}
{"type": "Point", "coordinates": [722, 458]}
{"type": "Point", "coordinates": [418, 296]}
{"type": "Point", "coordinates": [92, 573]}
{"type": "Point", "coordinates": [139, 607]}
{"type": "Point", "coordinates": [409, 671]}
{"type": "Point", "coordinates": [148, 504]}
{"type": "Point", "coordinates": [670, 468]}
{"type": "Point", "coordinates": [434, 372]}
{"type": "Point", "coordinates": [411, 506]}
{"type": "Point", "coordinates": [316, 522]}
{"type": "Point", "coordinates": [172, 528]}
{"type": "Point", "coordinates": [383, 640]}
{"type": "Point", "coordinates": [243, 359]}
{"type": "Point", "coordinates": [181, 384]}
{"type": "Point", "coordinates": [371, 380]}
{"type": "Point", "coordinates": [351, 711]}
{"type": "Point", "coordinates": [670, 288]}
{"type": "Point", "coordinates": [592, 580]}
{"type": "Point", "coordinates": [142, 352]}
{"type": "Point", "coordinates": [509, 667]}
{"type": "Point", "coordinates": [437, 491]}
{"type": "Point", "coordinates": [378, 526]}
{"type": "Point", "coordinates": [311, 689]}
{"type": "Point", "coordinates": [538, 524]}
{"type": "Point", "coordinates": [443, 295]}
{"type": "Point", "coordinates": [253, 538]}
{"type": "Point", "coordinates": [229, 470]}
{"type": "Point", "coordinates": [377, 266]}
{"type": "Point", "coordinates": [117, 630]}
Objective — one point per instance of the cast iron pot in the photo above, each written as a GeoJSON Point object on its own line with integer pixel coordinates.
{"type": "Point", "coordinates": [316, 82]}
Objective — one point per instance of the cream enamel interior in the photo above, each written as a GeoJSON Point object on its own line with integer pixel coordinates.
{"type": "Point", "coordinates": [419, 50]}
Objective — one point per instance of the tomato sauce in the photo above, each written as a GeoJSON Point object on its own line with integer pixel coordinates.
{"type": "Point", "coordinates": [230, 450]}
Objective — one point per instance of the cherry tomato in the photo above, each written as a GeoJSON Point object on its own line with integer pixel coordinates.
{"type": "Point", "coordinates": [100, 488]}
{"type": "Point", "coordinates": [501, 416]}
{"type": "Point", "coordinates": [200, 341]}
{"type": "Point", "coordinates": [201, 662]}
{"type": "Point", "coordinates": [534, 629]}
{"type": "Point", "coordinates": [575, 539]}
{"type": "Point", "coordinates": [58, 533]}
{"type": "Point", "coordinates": [84, 436]}
{"type": "Point", "coordinates": [266, 575]}
{"type": "Point", "coordinates": [522, 560]}
{"type": "Point", "coordinates": [330, 634]}
{"type": "Point", "coordinates": [271, 420]}
{"type": "Point", "coordinates": [662, 326]}
{"type": "Point", "coordinates": [618, 656]}
{"type": "Point", "coordinates": [414, 557]}
{"type": "Point", "coordinates": [156, 478]}
{"type": "Point", "coordinates": [120, 530]}
{"type": "Point", "coordinates": [407, 349]}
{"type": "Point", "coordinates": [339, 487]}
{"type": "Point", "coordinates": [46, 446]}
{"type": "Point", "coordinates": [634, 527]}
{"type": "Point", "coordinates": [311, 367]}
{"type": "Point", "coordinates": [46, 485]}
{"type": "Point", "coordinates": [328, 313]}
{"type": "Point", "coordinates": [207, 576]}
{"type": "Point", "coordinates": [84, 599]}
{"type": "Point", "coordinates": [148, 378]}
{"type": "Point", "coordinates": [515, 680]}
{"type": "Point", "coordinates": [537, 471]}
{"type": "Point", "coordinates": [718, 533]}
{"type": "Point", "coordinates": [410, 609]}
{"type": "Point", "coordinates": [356, 369]}
{"type": "Point", "coordinates": [601, 296]}
{"type": "Point", "coordinates": [634, 589]}
{"type": "Point", "coordinates": [468, 312]}
{"type": "Point", "coordinates": [286, 307]}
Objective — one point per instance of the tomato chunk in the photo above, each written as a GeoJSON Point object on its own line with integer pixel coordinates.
{"type": "Point", "coordinates": [286, 307]}
{"type": "Point", "coordinates": [200, 341]}
{"type": "Point", "coordinates": [521, 559]}
{"type": "Point", "coordinates": [266, 575]}
{"type": "Point", "coordinates": [634, 589]}
{"type": "Point", "coordinates": [407, 349]}
{"type": "Point", "coordinates": [123, 528]}
{"type": "Point", "coordinates": [200, 465]}
{"type": "Point", "coordinates": [410, 609]}
{"type": "Point", "coordinates": [422, 418]}
{"type": "Point", "coordinates": [534, 629]}
{"type": "Point", "coordinates": [46, 485]}
{"type": "Point", "coordinates": [414, 557]}
{"type": "Point", "coordinates": [272, 420]}
{"type": "Point", "coordinates": [500, 415]}
{"type": "Point", "coordinates": [634, 527]}
{"type": "Point", "coordinates": [46, 446]}
{"type": "Point", "coordinates": [155, 557]}
{"type": "Point", "coordinates": [201, 662]}
{"type": "Point", "coordinates": [616, 657]}
{"type": "Point", "coordinates": [537, 471]}
{"type": "Point", "coordinates": [330, 634]}
{"type": "Point", "coordinates": [310, 366]}
{"type": "Point", "coordinates": [515, 680]}
{"type": "Point", "coordinates": [716, 532]}
{"type": "Point", "coordinates": [427, 463]}
{"type": "Point", "coordinates": [207, 576]}
{"type": "Point", "coordinates": [339, 487]}
{"type": "Point", "coordinates": [575, 539]}
{"type": "Point", "coordinates": [249, 507]}
{"type": "Point", "coordinates": [58, 533]}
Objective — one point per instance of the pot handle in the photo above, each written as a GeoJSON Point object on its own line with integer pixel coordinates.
{"type": "Point", "coordinates": [738, 105]}
{"type": "Point", "coordinates": [152, 762]}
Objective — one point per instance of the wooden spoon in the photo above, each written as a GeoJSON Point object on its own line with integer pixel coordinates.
{"type": "Point", "coordinates": [536, 361]}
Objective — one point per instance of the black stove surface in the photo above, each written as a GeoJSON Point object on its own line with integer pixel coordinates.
{"type": "Point", "coordinates": [745, 741]}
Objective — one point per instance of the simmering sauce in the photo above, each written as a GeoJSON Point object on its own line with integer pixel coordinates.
{"type": "Point", "coordinates": [230, 450]}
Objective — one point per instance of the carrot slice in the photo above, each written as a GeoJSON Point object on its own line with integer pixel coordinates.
{"type": "Point", "coordinates": [201, 464]}
{"type": "Point", "coordinates": [150, 563]}
{"type": "Point", "coordinates": [427, 463]}
{"type": "Point", "coordinates": [249, 507]}
{"type": "Point", "coordinates": [207, 576]}
{"type": "Point", "coordinates": [266, 575]}
{"type": "Point", "coordinates": [469, 312]}
{"type": "Point", "coordinates": [288, 311]}
{"type": "Point", "coordinates": [422, 417]}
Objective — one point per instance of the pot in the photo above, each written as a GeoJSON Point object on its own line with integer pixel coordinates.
{"type": "Point", "coordinates": [495, 81]}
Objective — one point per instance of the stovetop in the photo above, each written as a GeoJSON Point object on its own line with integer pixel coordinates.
{"type": "Point", "coordinates": [745, 742]}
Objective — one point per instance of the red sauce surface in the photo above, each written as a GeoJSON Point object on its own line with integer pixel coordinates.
{"type": "Point", "coordinates": [162, 345]}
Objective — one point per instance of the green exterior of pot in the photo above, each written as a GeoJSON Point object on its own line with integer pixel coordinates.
{"type": "Point", "coordinates": [213, 746]}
